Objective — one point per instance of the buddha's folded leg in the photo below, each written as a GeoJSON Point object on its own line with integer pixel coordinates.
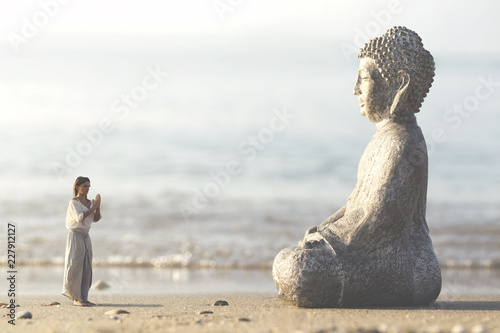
{"type": "Point", "coordinates": [309, 277]}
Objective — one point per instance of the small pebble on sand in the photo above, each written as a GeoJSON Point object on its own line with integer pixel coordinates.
{"type": "Point", "coordinates": [205, 312]}
{"type": "Point", "coordinates": [221, 303]}
{"type": "Point", "coordinates": [51, 304]}
{"type": "Point", "coordinates": [383, 328]}
{"type": "Point", "coordinates": [116, 312]}
{"type": "Point", "coordinates": [23, 315]}
{"type": "Point", "coordinates": [478, 329]}
{"type": "Point", "coordinates": [100, 285]}
{"type": "Point", "coordinates": [458, 329]}
{"type": "Point", "coordinates": [244, 319]}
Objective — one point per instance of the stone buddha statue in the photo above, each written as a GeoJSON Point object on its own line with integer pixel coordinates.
{"type": "Point", "coordinates": [376, 250]}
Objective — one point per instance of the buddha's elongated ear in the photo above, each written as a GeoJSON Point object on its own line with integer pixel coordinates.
{"type": "Point", "coordinates": [398, 104]}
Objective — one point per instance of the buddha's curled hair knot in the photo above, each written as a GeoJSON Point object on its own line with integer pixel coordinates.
{"type": "Point", "coordinates": [401, 49]}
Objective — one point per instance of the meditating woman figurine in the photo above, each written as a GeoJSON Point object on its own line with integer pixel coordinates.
{"type": "Point", "coordinates": [376, 251]}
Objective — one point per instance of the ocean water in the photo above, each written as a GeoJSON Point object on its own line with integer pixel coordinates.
{"type": "Point", "coordinates": [231, 156]}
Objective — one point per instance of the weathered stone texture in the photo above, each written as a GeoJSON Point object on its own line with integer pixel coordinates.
{"type": "Point", "coordinates": [375, 251]}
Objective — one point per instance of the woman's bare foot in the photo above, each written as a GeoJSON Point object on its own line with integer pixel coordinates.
{"type": "Point", "coordinates": [79, 303]}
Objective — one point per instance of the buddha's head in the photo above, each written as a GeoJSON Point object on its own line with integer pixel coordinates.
{"type": "Point", "coordinates": [394, 76]}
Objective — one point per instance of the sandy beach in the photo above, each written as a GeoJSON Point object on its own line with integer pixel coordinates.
{"type": "Point", "coordinates": [250, 312]}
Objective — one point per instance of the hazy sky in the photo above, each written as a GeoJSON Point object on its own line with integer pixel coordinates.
{"type": "Point", "coordinates": [231, 61]}
{"type": "Point", "coordinates": [445, 25]}
{"type": "Point", "coordinates": [107, 42]}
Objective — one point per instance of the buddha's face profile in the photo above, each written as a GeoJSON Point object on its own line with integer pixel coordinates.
{"type": "Point", "coordinates": [374, 94]}
{"type": "Point", "coordinates": [395, 74]}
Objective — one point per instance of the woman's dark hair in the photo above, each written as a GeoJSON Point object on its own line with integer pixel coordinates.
{"type": "Point", "coordinates": [79, 181]}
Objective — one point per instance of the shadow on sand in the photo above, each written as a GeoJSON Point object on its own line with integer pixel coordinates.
{"type": "Point", "coordinates": [129, 305]}
{"type": "Point", "coordinates": [466, 305]}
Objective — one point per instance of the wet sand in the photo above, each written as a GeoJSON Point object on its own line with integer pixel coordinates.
{"type": "Point", "coordinates": [250, 312]}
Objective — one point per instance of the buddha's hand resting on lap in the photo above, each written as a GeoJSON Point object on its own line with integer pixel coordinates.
{"type": "Point", "coordinates": [311, 234]}
{"type": "Point", "coordinates": [313, 240]}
